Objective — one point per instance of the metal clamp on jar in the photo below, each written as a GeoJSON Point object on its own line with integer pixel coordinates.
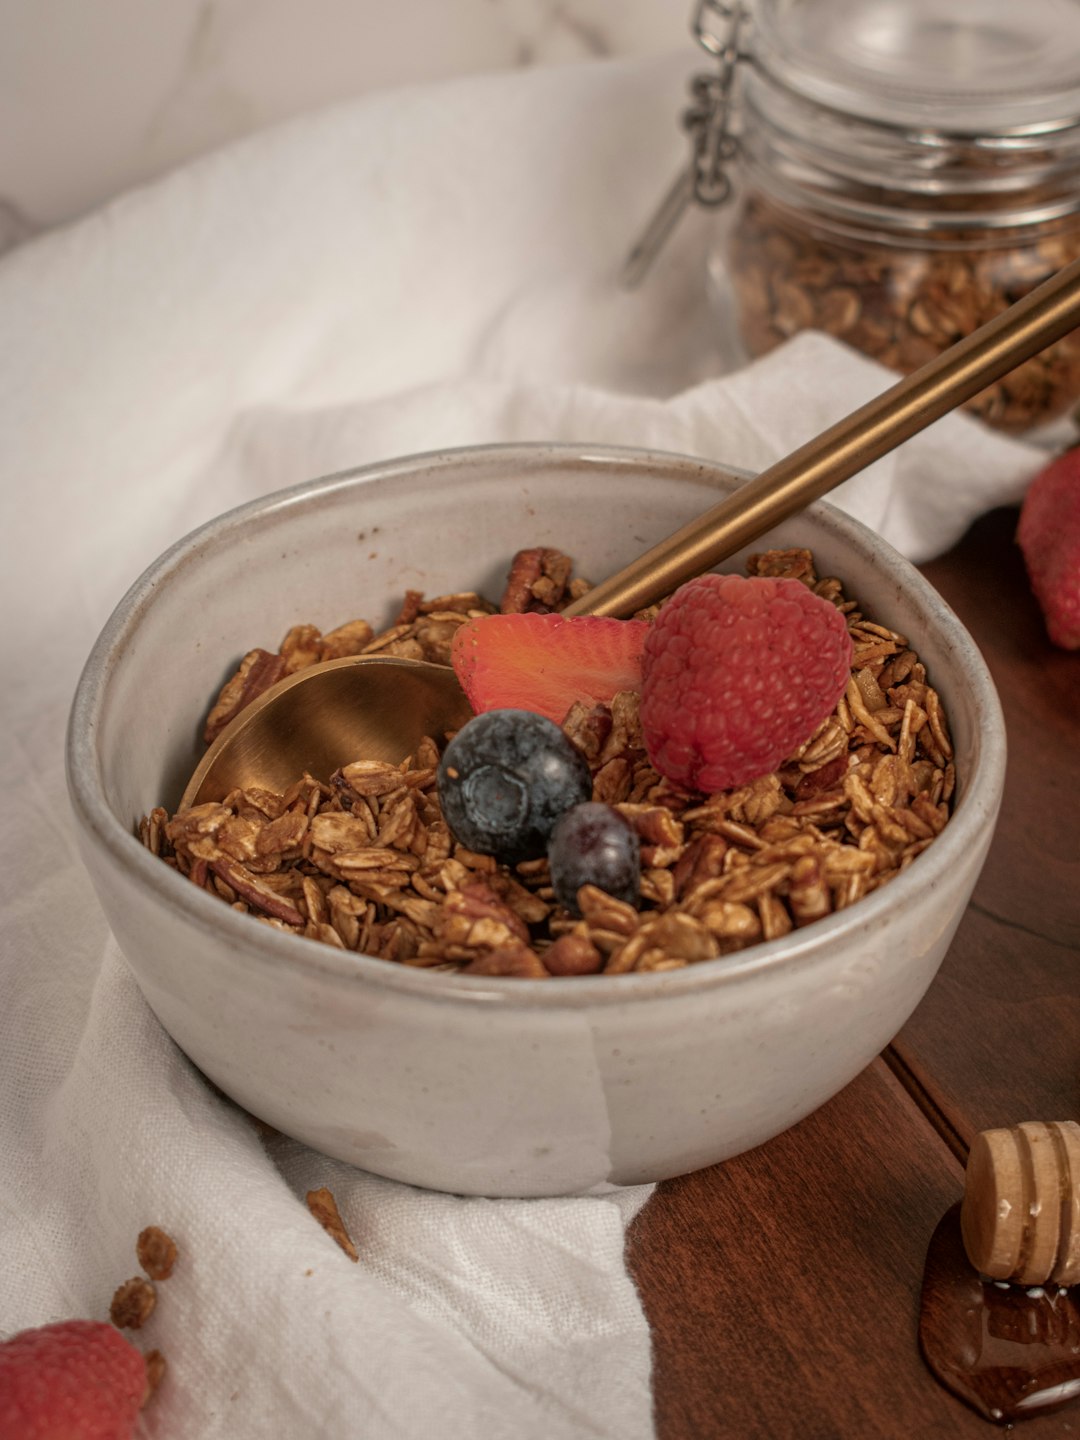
{"type": "Point", "coordinates": [900, 172]}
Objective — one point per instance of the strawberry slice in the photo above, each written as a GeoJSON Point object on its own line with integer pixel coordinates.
{"type": "Point", "coordinates": [544, 663]}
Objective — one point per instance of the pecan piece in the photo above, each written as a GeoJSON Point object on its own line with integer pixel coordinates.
{"type": "Point", "coordinates": [536, 582]}
{"type": "Point", "coordinates": [703, 859]}
{"type": "Point", "coordinates": [588, 726]}
{"type": "Point", "coordinates": [259, 669]}
{"type": "Point", "coordinates": [476, 917]}
{"type": "Point", "coordinates": [410, 607]}
{"type": "Point", "coordinates": [249, 888]}
{"type": "Point", "coordinates": [301, 647]}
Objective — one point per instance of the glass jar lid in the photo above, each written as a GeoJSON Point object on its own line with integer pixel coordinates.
{"type": "Point", "coordinates": [916, 114]}
{"type": "Point", "coordinates": [974, 67]}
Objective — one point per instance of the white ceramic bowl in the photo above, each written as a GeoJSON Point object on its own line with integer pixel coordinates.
{"type": "Point", "coordinates": [495, 1087]}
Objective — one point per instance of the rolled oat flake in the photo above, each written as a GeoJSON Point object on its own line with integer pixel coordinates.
{"type": "Point", "coordinates": [892, 172]}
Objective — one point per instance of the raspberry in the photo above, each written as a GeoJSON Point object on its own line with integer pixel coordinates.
{"type": "Point", "coordinates": [1049, 536]}
{"type": "Point", "coordinates": [737, 674]}
{"type": "Point", "coordinates": [545, 663]}
{"type": "Point", "coordinates": [76, 1380]}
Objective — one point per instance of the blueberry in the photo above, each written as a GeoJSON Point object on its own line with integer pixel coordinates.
{"type": "Point", "coordinates": [594, 845]}
{"type": "Point", "coordinates": [505, 779]}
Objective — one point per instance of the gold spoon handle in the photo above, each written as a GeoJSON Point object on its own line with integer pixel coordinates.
{"type": "Point", "coordinates": [1038, 320]}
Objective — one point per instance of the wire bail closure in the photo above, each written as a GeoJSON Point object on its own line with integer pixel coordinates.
{"type": "Point", "coordinates": [718, 28]}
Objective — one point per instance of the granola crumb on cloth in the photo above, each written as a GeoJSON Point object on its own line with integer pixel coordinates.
{"type": "Point", "coordinates": [155, 1372]}
{"type": "Point", "coordinates": [323, 1206]}
{"type": "Point", "coordinates": [133, 1303]}
{"type": "Point", "coordinates": [156, 1252]}
{"type": "Point", "coordinates": [367, 863]}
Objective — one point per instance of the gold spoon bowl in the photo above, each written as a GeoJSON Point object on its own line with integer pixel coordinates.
{"type": "Point", "coordinates": [375, 707]}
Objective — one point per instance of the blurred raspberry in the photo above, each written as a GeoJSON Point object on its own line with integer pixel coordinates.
{"type": "Point", "coordinates": [738, 673]}
{"type": "Point", "coordinates": [76, 1380]}
{"type": "Point", "coordinates": [1049, 536]}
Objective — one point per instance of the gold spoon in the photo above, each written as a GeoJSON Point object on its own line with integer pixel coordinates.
{"type": "Point", "coordinates": [380, 707]}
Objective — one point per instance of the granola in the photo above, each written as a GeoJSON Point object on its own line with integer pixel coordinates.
{"type": "Point", "coordinates": [365, 862]}
{"type": "Point", "coordinates": [156, 1252]}
{"type": "Point", "coordinates": [902, 307]}
{"type": "Point", "coordinates": [133, 1303]}
{"type": "Point", "coordinates": [155, 1372]}
{"type": "Point", "coordinates": [324, 1207]}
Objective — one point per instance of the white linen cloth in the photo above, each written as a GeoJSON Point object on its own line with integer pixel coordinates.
{"type": "Point", "coordinates": [416, 269]}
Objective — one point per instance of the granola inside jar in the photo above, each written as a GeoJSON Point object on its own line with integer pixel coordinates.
{"type": "Point", "coordinates": [905, 171]}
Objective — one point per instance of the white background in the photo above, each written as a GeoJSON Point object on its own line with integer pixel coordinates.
{"type": "Point", "coordinates": [98, 96]}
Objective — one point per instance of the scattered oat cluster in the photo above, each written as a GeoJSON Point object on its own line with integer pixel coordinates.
{"type": "Point", "coordinates": [135, 1300]}
{"type": "Point", "coordinates": [902, 307]}
{"type": "Point", "coordinates": [367, 862]}
{"type": "Point", "coordinates": [82, 1378]}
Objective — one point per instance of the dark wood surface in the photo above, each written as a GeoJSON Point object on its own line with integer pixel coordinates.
{"type": "Point", "coordinates": [782, 1287]}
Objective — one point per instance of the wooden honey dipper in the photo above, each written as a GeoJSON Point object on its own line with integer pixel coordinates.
{"type": "Point", "coordinates": [1020, 1217]}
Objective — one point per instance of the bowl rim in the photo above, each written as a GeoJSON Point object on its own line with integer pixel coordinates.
{"type": "Point", "coordinates": [262, 945]}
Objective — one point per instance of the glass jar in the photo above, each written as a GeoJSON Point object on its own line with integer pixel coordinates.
{"type": "Point", "coordinates": [903, 171]}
